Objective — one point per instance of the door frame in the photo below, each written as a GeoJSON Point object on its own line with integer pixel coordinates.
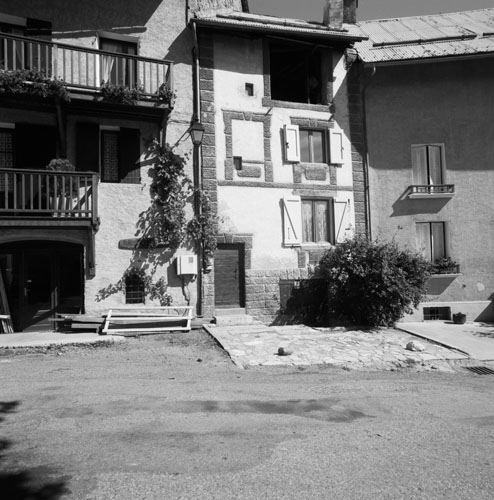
{"type": "Point", "coordinates": [241, 273]}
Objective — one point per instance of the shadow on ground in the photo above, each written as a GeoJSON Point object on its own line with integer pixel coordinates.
{"type": "Point", "coordinates": [19, 484]}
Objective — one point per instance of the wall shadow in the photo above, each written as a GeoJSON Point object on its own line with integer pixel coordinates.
{"type": "Point", "coordinates": [405, 206]}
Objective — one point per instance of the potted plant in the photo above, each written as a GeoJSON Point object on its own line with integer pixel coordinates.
{"type": "Point", "coordinates": [459, 318]}
{"type": "Point", "coordinates": [58, 190]}
{"type": "Point", "coordinates": [446, 265]}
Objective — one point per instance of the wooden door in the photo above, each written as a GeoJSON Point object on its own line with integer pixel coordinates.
{"type": "Point", "coordinates": [229, 276]}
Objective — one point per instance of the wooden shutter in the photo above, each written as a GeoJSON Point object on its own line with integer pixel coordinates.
{"type": "Point", "coordinates": [292, 221]}
{"type": "Point", "coordinates": [292, 145]}
{"type": "Point", "coordinates": [336, 145]}
{"type": "Point", "coordinates": [130, 152]}
{"type": "Point", "coordinates": [87, 147]}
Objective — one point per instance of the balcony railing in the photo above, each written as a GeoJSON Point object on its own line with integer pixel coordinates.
{"type": "Point", "coordinates": [83, 67]}
{"type": "Point", "coordinates": [41, 193]}
{"type": "Point", "coordinates": [431, 190]}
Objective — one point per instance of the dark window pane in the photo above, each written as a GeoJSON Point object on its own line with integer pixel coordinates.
{"type": "Point", "coordinates": [304, 146]}
{"type": "Point", "coordinates": [318, 146]}
{"type": "Point", "coordinates": [109, 156]}
{"type": "Point", "coordinates": [307, 221]}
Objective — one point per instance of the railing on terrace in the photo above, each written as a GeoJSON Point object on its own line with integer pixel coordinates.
{"type": "Point", "coordinates": [432, 189]}
{"type": "Point", "coordinates": [83, 67]}
{"type": "Point", "coordinates": [41, 193]}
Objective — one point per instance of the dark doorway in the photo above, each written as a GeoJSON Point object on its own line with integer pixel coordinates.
{"type": "Point", "coordinates": [229, 275]}
{"type": "Point", "coordinates": [42, 279]}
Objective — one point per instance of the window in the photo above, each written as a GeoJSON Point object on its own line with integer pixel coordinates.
{"type": "Point", "coordinates": [6, 158]}
{"type": "Point", "coordinates": [295, 70]}
{"type": "Point", "coordinates": [431, 240]}
{"type": "Point", "coordinates": [317, 221]}
{"type": "Point", "coordinates": [118, 70]}
{"type": "Point", "coordinates": [427, 164]}
{"type": "Point", "coordinates": [313, 146]}
{"type": "Point", "coordinates": [134, 289]}
{"type": "Point", "coordinates": [113, 152]}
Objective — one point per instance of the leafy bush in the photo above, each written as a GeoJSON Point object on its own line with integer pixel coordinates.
{"type": "Point", "coordinates": [32, 82]}
{"type": "Point", "coordinates": [367, 282]}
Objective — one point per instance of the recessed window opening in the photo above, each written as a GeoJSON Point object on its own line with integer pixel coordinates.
{"type": "Point", "coordinates": [119, 69]}
{"type": "Point", "coordinates": [437, 313]}
{"type": "Point", "coordinates": [313, 147]}
{"type": "Point", "coordinates": [431, 240]}
{"type": "Point", "coordinates": [318, 221]}
{"type": "Point", "coordinates": [427, 164]}
{"type": "Point", "coordinates": [237, 162]}
{"type": "Point", "coordinates": [134, 289]}
{"type": "Point", "coordinates": [295, 71]}
{"type": "Point", "coordinates": [249, 89]}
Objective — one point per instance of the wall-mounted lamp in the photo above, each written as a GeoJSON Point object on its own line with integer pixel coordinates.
{"type": "Point", "coordinates": [351, 55]}
{"type": "Point", "coordinates": [196, 132]}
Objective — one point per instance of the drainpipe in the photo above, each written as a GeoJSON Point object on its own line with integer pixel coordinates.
{"type": "Point", "coordinates": [197, 166]}
{"type": "Point", "coordinates": [366, 154]}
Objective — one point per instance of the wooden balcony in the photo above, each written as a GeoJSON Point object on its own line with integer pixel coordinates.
{"type": "Point", "coordinates": [71, 197]}
{"type": "Point", "coordinates": [431, 191]}
{"type": "Point", "coordinates": [85, 68]}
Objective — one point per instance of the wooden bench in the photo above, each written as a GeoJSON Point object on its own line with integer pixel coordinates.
{"type": "Point", "coordinates": [147, 319]}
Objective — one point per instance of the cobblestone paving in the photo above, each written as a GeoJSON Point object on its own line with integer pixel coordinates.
{"type": "Point", "coordinates": [383, 349]}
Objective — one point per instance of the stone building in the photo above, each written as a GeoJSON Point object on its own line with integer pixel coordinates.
{"type": "Point", "coordinates": [428, 83]}
{"type": "Point", "coordinates": [282, 148]}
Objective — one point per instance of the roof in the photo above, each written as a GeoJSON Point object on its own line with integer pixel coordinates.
{"type": "Point", "coordinates": [242, 21]}
{"type": "Point", "coordinates": [427, 37]}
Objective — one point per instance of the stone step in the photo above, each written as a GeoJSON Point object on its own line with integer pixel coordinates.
{"type": "Point", "coordinates": [233, 319]}
{"type": "Point", "coordinates": [230, 311]}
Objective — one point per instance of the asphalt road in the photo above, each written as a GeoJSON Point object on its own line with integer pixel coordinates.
{"type": "Point", "coordinates": [170, 417]}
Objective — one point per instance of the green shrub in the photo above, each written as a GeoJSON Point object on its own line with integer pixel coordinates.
{"type": "Point", "coordinates": [368, 282]}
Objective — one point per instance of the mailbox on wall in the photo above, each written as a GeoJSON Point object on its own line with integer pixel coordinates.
{"type": "Point", "coordinates": [186, 264]}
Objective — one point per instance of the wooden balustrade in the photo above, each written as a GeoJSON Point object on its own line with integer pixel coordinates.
{"type": "Point", "coordinates": [42, 193]}
{"type": "Point", "coordinates": [83, 67]}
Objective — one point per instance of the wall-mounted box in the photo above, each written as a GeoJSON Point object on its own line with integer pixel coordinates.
{"type": "Point", "coordinates": [186, 264]}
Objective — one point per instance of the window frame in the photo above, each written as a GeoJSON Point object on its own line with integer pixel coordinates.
{"type": "Point", "coordinates": [431, 240]}
{"type": "Point", "coordinates": [324, 145]}
{"type": "Point", "coordinates": [427, 175]}
{"type": "Point", "coordinates": [135, 289]}
{"type": "Point", "coordinates": [330, 224]}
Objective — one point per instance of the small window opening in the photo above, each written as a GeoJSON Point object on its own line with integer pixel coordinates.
{"type": "Point", "coordinates": [437, 313]}
{"type": "Point", "coordinates": [237, 162]}
{"type": "Point", "coordinates": [134, 289]}
{"type": "Point", "coordinates": [249, 89]}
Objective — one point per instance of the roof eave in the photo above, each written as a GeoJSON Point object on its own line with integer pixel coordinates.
{"type": "Point", "coordinates": [423, 60]}
{"type": "Point", "coordinates": [268, 30]}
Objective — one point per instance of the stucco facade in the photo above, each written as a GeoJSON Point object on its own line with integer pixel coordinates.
{"type": "Point", "coordinates": [448, 105]}
{"type": "Point", "coordinates": [160, 31]}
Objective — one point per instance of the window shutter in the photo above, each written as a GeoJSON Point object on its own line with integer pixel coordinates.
{"type": "Point", "coordinates": [130, 152]}
{"type": "Point", "coordinates": [292, 221]}
{"type": "Point", "coordinates": [87, 147]}
{"type": "Point", "coordinates": [336, 145]}
{"type": "Point", "coordinates": [292, 145]}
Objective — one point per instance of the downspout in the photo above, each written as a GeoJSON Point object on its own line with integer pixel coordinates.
{"type": "Point", "coordinates": [196, 106]}
{"type": "Point", "coordinates": [366, 155]}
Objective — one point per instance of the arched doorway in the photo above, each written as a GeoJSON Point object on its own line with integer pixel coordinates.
{"type": "Point", "coordinates": [42, 279]}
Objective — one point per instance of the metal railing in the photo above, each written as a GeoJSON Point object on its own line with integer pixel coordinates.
{"type": "Point", "coordinates": [432, 189]}
{"type": "Point", "coordinates": [83, 67]}
{"type": "Point", "coordinates": [41, 193]}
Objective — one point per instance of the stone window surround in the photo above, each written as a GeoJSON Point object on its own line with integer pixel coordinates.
{"type": "Point", "coordinates": [253, 171]}
{"type": "Point", "coordinates": [314, 171]}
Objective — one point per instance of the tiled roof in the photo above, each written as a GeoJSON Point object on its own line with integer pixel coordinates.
{"type": "Point", "coordinates": [269, 24]}
{"type": "Point", "coordinates": [427, 37]}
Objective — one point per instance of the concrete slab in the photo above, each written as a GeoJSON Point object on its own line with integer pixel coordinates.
{"type": "Point", "coordinates": [43, 339]}
{"type": "Point", "coordinates": [474, 339]}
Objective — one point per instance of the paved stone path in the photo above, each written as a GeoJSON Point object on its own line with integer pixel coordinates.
{"type": "Point", "coordinates": [257, 345]}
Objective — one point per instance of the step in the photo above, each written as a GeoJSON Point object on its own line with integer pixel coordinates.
{"type": "Point", "coordinates": [230, 311]}
{"type": "Point", "coordinates": [234, 319]}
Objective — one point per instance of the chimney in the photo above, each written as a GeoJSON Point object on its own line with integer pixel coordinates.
{"type": "Point", "coordinates": [337, 12]}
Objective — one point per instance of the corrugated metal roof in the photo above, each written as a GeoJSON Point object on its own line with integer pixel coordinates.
{"type": "Point", "coordinates": [257, 22]}
{"type": "Point", "coordinates": [426, 37]}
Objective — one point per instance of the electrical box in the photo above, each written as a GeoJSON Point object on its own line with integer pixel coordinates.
{"type": "Point", "coordinates": [186, 264]}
